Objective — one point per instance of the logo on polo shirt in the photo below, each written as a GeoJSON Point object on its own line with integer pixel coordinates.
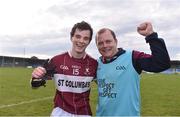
{"type": "Point", "coordinates": [120, 67]}
{"type": "Point", "coordinates": [64, 67]}
{"type": "Point", "coordinates": [87, 72]}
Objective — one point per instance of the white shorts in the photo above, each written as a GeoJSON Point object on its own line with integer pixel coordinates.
{"type": "Point", "coordinates": [58, 112]}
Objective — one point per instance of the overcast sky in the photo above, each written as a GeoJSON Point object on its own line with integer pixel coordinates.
{"type": "Point", "coordinates": [42, 27]}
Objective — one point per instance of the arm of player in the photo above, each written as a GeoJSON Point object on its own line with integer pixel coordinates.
{"type": "Point", "coordinates": [158, 60]}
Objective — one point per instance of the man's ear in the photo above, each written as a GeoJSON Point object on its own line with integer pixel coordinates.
{"type": "Point", "coordinates": [116, 40]}
{"type": "Point", "coordinates": [89, 42]}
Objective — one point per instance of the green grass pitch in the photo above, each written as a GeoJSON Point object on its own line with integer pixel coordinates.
{"type": "Point", "coordinates": [160, 94]}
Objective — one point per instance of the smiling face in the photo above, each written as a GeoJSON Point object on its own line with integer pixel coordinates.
{"type": "Point", "coordinates": [80, 41]}
{"type": "Point", "coordinates": [106, 44]}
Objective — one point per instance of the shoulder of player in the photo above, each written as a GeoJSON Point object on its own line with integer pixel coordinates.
{"type": "Point", "coordinates": [59, 56]}
{"type": "Point", "coordinates": [90, 58]}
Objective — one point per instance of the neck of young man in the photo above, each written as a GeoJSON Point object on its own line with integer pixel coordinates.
{"type": "Point", "coordinates": [78, 55]}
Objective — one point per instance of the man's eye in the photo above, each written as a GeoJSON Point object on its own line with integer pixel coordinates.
{"type": "Point", "coordinates": [86, 39]}
{"type": "Point", "coordinates": [78, 36]}
{"type": "Point", "coordinates": [99, 44]}
{"type": "Point", "coordinates": [108, 42]}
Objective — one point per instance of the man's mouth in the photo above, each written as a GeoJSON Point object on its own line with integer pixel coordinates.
{"type": "Point", "coordinates": [79, 45]}
{"type": "Point", "coordinates": [106, 50]}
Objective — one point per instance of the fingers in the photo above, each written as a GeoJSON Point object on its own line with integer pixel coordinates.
{"type": "Point", "coordinates": [145, 26]}
{"type": "Point", "coordinates": [38, 72]}
{"type": "Point", "coordinates": [145, 29]}
{"type": "Point", "coordinates": [142, 26]}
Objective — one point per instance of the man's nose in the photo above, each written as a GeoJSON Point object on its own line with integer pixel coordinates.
{"type": "Point", "coordinates": [81, 40]}
{"type": "Point", "coordinates": [104, 45]}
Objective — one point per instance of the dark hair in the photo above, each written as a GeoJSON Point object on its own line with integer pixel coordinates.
{"type": "Point", "coordinates": [82, 26]}
{"type": "Point", "coordinates": [104, 30]}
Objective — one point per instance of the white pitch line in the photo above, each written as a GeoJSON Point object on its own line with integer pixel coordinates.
{"type": "Point", "coordinates": [26, 102]}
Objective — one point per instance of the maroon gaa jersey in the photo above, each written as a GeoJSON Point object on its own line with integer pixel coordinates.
{"type": "Point", "coordinates": [72, 80]}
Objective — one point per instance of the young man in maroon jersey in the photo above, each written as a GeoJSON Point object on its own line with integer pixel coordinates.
{"type": "Point", "coordinates": [72, 73]}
